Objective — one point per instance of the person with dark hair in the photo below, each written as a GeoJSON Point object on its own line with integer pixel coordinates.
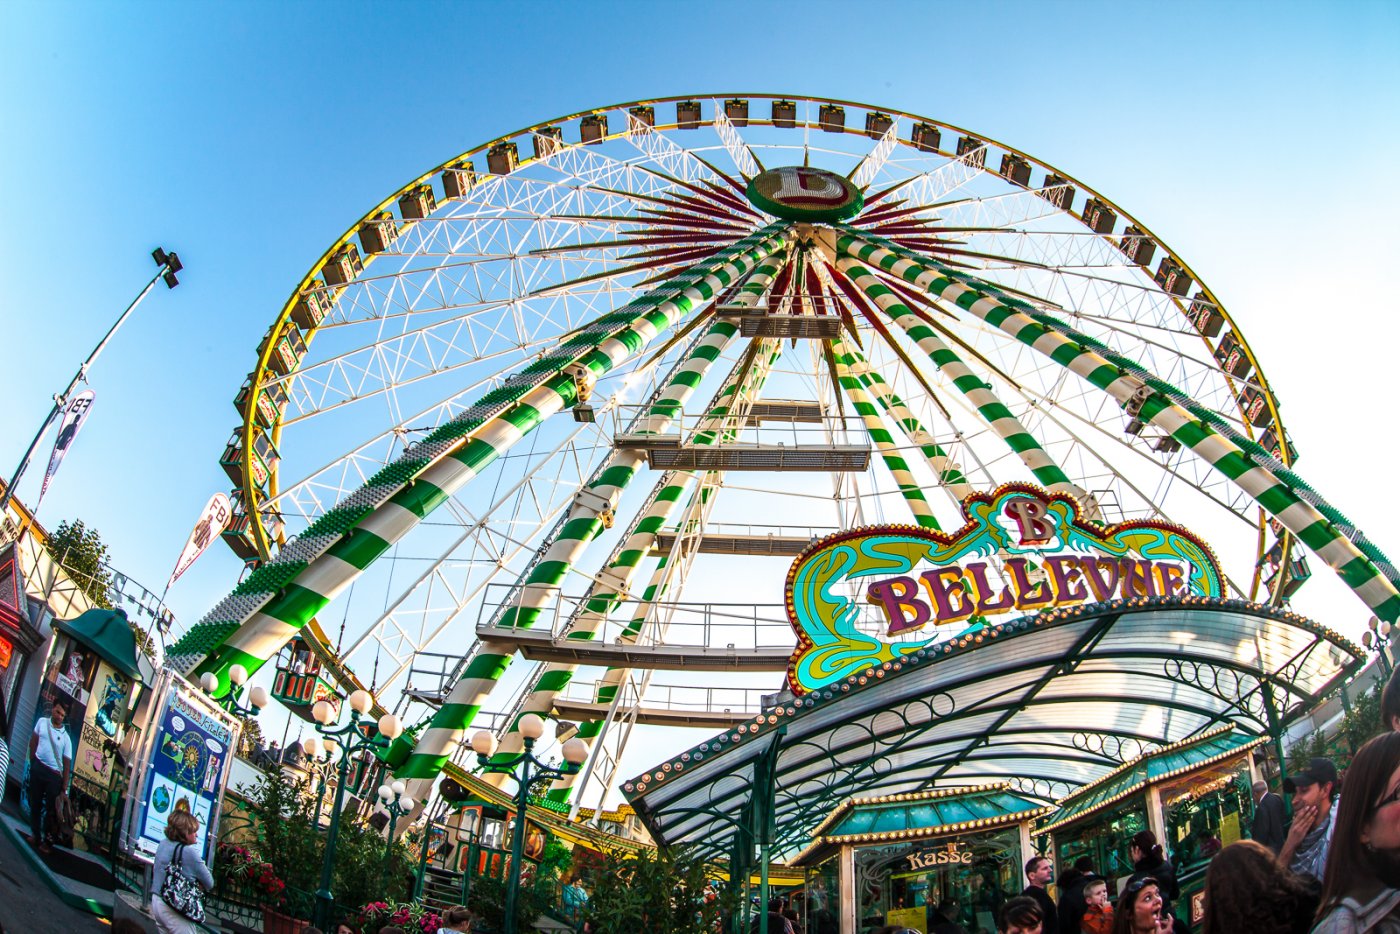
{"type": "Point", "coordinates": [1361, 886]}
{"type": "Point", "coordinates": [456, 920]}
{"type": "Point", "coordinates": [50, 769]}
{"type": "Point", "coordinates": [1021, 915]}
{"type": "Point", "coordinates": [1039, 872]}
{"type": "Point", "coordinates": [1150, 862]}
{"type": "Point", "coordinates": [943, 918]}
{"type": "Point", "coordinates": [345, 927]}
{"type": "Point", "coordinates": [1070, 910]}
{"type": "Point", "coordinates": [1305, 847]}
{"type": "Point", "coordinates": [1390, 703]}
{"type": "Point", "coordinates": [1268, 827]}
{"type": "Point", "coordinates": [1247, 890]}
{"type": "Point", "coordinates": [1138, 907]}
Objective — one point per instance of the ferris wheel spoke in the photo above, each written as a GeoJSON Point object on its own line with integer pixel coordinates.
{"type": "Point", "coordinates": [744, 159]}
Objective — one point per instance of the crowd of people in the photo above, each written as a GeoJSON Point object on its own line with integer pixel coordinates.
{"type": "Point", "coordinates": [1334, 868]}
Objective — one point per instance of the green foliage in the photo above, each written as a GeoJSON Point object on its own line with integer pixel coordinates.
{"type": "Point", "coordinates": [1358, 724]}
{"type": "Point", "coordinates": [81, 552]}
{"type": "Point", "coordinates": [488, 899]}
{"type": "Point", "coordinates": [538, 893]}
{"type": "Point", "coordinates": [360, 875]}
{"type": "Point", "coordinates": [287, 838]}
{"type": "Point", "coordinates": [656, 890]}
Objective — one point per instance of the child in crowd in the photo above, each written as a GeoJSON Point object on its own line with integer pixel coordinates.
{"type": "Point", "coordinates": [1098, 914]}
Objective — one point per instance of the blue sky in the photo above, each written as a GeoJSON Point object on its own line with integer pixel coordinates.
{"type": "Point", "coordinates": [1258, 139]}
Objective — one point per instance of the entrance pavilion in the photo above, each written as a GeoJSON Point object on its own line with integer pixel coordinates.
{"type": "Point", "coordinates": [1047, 703]}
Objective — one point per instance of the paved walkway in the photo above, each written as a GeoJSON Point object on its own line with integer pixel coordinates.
{"type": "Point", "coordinates": [28, 903]}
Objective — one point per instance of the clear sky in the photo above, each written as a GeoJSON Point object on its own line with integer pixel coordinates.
{"type": "Point", "coordinates": [1258, 139]}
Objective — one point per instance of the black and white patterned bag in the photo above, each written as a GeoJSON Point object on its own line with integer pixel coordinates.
{"type": "Point", "coordinates": [179, 891]}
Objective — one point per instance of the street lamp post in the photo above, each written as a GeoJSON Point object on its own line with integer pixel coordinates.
{"type": "Point", "coordinates": [532, 770]}
{"type": "Point", "coordinates": [258, 698]}
{"type": "Point", "coordinates": [168, 264]}
{"type": "Point", "coordinates": [351, 738]}
{"type": "Point", "coordinates": [396, 804]}
{"type": "Point", "coordinates": [320, 755]}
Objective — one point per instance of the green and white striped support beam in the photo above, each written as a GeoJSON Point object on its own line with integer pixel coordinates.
{"type": "Point", "coordinates": [949, 474]}
{"type": "Point", "coordinates": [541, 586]}
{"type": "Point", "coordinates": [996, 414]}
{"type": "Point", "coordinates": [884, 441]}
{"type": "Point", "coordinates": [451, 721]}
{"type": "Point", "coordinates": [252, 625]}
{"type": "Point", "coordinates": [735, 398]}
{"type": "Point", "coordinates": [1249, 467]}
{"type": "Point", "coordinates": [554, 677]}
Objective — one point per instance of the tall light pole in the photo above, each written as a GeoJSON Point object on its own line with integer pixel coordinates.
{"type": "Point", "coordinates": [532, 770]}
{"type": "Point", "coordinates": [352, 738]}
{"type": "Point", "coordinates": [167, 265]}
{"type": "Point", "coordinates": [396, 804]}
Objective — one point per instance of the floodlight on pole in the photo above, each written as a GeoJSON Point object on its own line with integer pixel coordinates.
{"type": "Point", "coordinates": [167, 265]}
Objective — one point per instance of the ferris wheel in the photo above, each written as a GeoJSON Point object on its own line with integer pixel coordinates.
{"type": "Point", "coordinates": [577, 397]}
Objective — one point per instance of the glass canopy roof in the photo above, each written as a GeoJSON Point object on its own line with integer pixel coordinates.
{"type": "Point", "coordinates": [1049, 703]}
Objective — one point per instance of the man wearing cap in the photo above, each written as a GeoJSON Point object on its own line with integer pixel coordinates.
{"type": "Point", "coordinates": [1305, 848]}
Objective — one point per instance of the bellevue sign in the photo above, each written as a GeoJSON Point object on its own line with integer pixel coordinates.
{"type": "Point", "coordinates": [1022, 550]}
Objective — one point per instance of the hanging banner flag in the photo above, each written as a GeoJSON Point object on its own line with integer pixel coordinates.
{"type": "Point", "coordinates": [215, 517]}
{"type": "Point", "coordinates": [74, 414]}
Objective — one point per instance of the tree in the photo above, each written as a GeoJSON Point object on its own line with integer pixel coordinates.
{"type": "Point", "coordinates": [80, 551]}
{"type": "Point", "coordinates": [669, 890]}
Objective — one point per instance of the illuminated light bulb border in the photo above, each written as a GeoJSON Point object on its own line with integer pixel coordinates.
{"type": "Point", "coordinates": [1139, 787]}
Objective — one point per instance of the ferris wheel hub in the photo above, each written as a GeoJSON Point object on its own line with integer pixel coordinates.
{"type": "Point", "coordinates": [801, 193]}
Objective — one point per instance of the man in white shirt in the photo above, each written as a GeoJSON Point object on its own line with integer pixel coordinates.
{"type": "Point", "coordinates": [50, 766]}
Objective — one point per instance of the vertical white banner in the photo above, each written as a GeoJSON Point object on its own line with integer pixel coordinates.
{"type": "Point", "coordinates": [211, 522]}
{"type": "Point", "coordinates": [74, 414]}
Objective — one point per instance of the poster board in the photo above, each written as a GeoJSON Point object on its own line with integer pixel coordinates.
{"type": "Point", "coordinates": [103, 725]}
{"type": "Point", "coordinates": [183, 765]}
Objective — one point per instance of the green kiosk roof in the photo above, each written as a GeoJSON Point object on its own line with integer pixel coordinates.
{"type": "Point", "coordinates": [108, 633]}
{"type": "Point", "coordinates": [1132, 777]}
{"type": "Point", "coordinates": [920, 816]}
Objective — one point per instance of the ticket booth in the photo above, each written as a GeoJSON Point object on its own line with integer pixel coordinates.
{"type": "Point", "coordinates": [909, 859]}
{"type": "Point", "coordinates": [96, 672]}
{"type": "Point", "coordinates": [1193, 795]}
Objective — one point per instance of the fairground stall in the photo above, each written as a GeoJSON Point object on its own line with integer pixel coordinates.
{"type": "Point", "coordinates": [902, 858]}
{"type": "Point", "coordinates": [1069, 696]}
{"type": "Point", "coordinates": [1193, 795]}
{"type": "Point", "coordinates": [95, 670]}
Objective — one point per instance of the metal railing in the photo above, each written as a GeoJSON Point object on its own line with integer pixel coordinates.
{"type": "Point", "coordinates": [716, 625]}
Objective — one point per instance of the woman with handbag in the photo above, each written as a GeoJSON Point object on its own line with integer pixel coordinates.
{"type": "Point", "coordinates": [180, 878]}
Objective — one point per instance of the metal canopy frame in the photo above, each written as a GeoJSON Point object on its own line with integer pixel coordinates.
{"type": "Point", "coordinates": [1051, 702]}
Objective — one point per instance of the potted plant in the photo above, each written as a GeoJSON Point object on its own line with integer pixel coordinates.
{"type": "Point", "coordinates": [244, 876]}
{"type": "Point", "coordinates": [410, 916]}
